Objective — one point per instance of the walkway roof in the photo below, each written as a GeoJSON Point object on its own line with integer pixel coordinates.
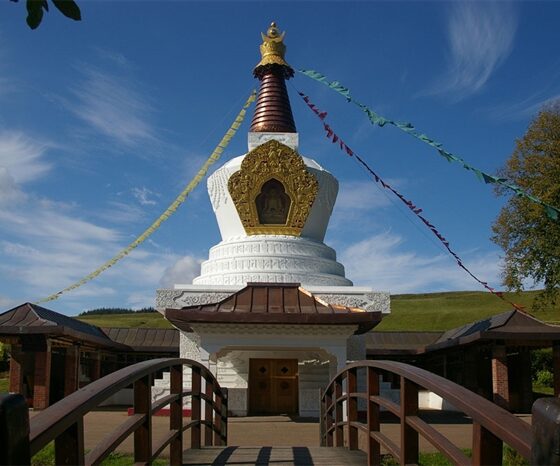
{"type": "Point", "coordinates": [30, 319]}
{"type": "Point", "coordinates": [512, 327]}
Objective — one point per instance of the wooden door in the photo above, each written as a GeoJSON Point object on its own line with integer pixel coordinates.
{"type": "Point", "coordinates": [273, 386]}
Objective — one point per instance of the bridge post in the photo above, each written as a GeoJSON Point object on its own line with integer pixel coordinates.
{"type": "Point", "coordinates": [352, 407]}
{"type": "Point", "coordinates": [545, 448]}
{"type": "Point", "coordinates": [208, 412]}
{"type": "Point", "coordinates": [69, 446]}
{"type": "Point", "coordinates": [195, 408]}
{"type": "Point", "coordinates": [373, 447]}
{"type": "Point", "coordinates": [176, 416]}
{"type": "Point", "coordinates": [14, 430]}
{"type": "Point", "coordinates": [409, 436]}
{"type": "Point", "coordinates": [328, 420]}
{"type": "Point", "coordinates": [322, 430]}
{"type": "Point", "coordinates": [487, 448]}
{"type": "Point", "coordinates": [224, 417]}
{"type": "Point", "coordinates": [143, 434]}
{"type": "Point", "coordinates": [339, 430]}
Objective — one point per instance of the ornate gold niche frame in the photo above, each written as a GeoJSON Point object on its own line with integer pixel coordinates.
{"type": "Point", "coordinates": [273, 160]}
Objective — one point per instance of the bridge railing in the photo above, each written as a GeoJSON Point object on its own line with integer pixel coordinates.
{"type": "Point", "coordinates": [63, 422]}
{"type": "Point", "coordinates": [491, 425]}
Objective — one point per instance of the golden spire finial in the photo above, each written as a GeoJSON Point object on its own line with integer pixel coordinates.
{"type": "Point", "coordinates": [273, 48]}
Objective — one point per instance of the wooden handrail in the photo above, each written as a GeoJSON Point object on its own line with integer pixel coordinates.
{"type": "Point", "coordinates": [492, 425]}
{"type": "Point", "coordinates": [63, 421]}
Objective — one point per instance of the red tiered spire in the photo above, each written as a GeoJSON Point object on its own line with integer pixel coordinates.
{"type": "Point", "coordinates": [273, 112]}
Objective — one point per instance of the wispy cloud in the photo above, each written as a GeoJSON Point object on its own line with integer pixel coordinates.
{"type": "Point", "coordinates": [360, 195]}
{"type": "Point", "coordinates": [9, 190]}
{"type": "Point", "coordinates": [355, 199]}
{"type": "Point", "coordinates": [525, 108]}
{"type": "Point", "coordinates": [112, 56]}
{"type": "Point", "coordinates": [383, 262]}
{"type": "Point", "coordinates": [22, 156]}
{"type": "Point", "coordinates": [114, 106]}
{"type": "Point", "coordinates": [144, 196]}
{"type": "Point", "coordinates": [481, 36]}
{"type": "Point", "coordinates": [181, 272]}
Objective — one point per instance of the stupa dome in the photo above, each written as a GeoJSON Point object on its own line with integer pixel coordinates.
{"type": "Point", "coordinates": [272, 205]}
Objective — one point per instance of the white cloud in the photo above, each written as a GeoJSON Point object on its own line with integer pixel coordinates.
{"type": "Point", "coordinates": [6, 303]}
{"type": "Point", "coordinates": [382, 262]}
{"type": "Point", "coordinates": [525, 108]}
{"type": "Point", "coordinates": [22, 156]}
{"type": "Point", "coordinates": [182, 272]}
{"type": "Point", "coordinates": [121, 213]}
{"type": "Point", "coordinates": [481, 36]}
{"type": "Point", "coordinates": [360, 195]}
{"type": "Point", "coordinates": [355, 200]}
{"type": "Point", "coordinates": [144, 195]}
{"type": "Point", "coordinates": [113, 106]}
{"type": "Point", "coordinates": [113, 56]}
{"type": "Point", "coordinates": [140, 300]}
{"type": "Point", "coordinates": [9, 191]}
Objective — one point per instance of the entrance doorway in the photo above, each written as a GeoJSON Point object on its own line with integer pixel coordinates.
{"type": "Point", "coordinates": [273, 386]}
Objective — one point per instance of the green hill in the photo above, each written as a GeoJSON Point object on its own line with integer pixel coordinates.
{"type": "Point", "coordinates": [444, 311]}
{"type": "Point", "coordinates": [423, 312]}
{"type": "Point", "coordinates": [130, 320]}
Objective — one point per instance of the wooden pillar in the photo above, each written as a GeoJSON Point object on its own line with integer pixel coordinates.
{"type": "Point", "coordinates": [16, 369]}
{"type": "Point", "coordinates": [500, 380]}
{"type": "Point", "coordinates": [556, 367]}
{"type": "Point", "coordinates": [42, 376]}
{"type": "Point", "coordinates": [470, 373]}
{"type": "Point", "coordinates": [525, 382]}
{"type": "Point", "coordinates": [96, 366]}
{"type": "Point", "coordinates": [71, 369]}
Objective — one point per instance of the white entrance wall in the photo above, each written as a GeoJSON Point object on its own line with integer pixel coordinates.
{"type": "Point", "coordinates": [321, 351]}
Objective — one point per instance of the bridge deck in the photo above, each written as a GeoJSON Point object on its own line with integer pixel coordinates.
{"type": "Point", "coordinates": [277, 456]}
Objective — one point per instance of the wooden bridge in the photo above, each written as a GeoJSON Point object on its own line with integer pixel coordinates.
{"type": "Point", "coordinates": [348, 435]}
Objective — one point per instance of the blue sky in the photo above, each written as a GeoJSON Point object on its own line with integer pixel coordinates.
{"type": "Point", "coordinates": [104, 121]}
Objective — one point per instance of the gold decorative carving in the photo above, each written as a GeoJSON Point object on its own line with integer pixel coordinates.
{"type": "Point", "coordinates": [273, 48]}
{"type": "Point", "coordinates": [273, 161]}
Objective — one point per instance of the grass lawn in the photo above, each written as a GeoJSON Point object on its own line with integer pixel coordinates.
{"type": "Point", "coordinates": [421, 312]}
{"type": "Point", "coordinates": [444, 311]}
{"type": "Point", "coordinates": [46, 458]}
{"type": "Point", "coordinates": [132, 320]}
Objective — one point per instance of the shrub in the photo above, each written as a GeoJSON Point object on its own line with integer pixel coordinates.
{"type": "Point", "coordinates": [545, 378]}
{"type": "Point", "coordinates": [541, 360]}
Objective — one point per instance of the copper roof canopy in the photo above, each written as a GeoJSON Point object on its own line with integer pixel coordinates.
{"type": "Point", "coordinates": [273, 303]}
{"type": "Point", "coordinates": [273, 112]}
{"type": "Point", "coordinates": [30, 319]}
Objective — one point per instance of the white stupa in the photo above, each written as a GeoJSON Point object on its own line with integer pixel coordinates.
{"type": "Point", "coordinates": [272, 207]}
{"type": "Point", "coordinates": [272, 314]}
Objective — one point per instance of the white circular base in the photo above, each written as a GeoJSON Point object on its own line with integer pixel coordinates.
{"type": "Point", "coordinates": [274, 259]}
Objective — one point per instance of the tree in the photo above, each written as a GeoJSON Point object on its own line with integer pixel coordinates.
{"type": "Point", "coordinates": [35, 10]}
{"type": "Point", "coordinates": [531, 240]}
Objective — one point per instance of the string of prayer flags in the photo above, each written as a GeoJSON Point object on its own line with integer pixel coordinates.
{"type": "Point", "coordinates": [171, 209]}
{"type": "Point", "coordinates": [335, 139]}
{"type": "Point", "coordinates": [551, 211]}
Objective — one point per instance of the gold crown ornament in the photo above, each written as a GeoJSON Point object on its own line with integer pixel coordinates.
{"type": "Point", "coordinates": [273, 48]}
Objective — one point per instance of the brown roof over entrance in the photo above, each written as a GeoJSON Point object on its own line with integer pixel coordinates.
{"type": "Point", "coordinates": [273, 303]}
